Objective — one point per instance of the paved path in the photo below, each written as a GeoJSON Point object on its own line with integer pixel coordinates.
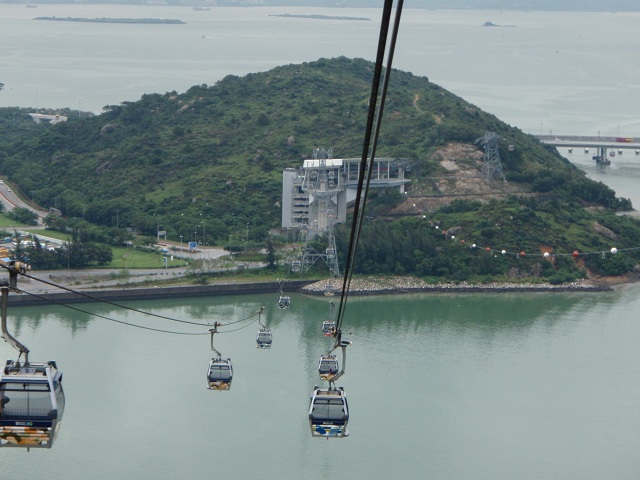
{"type": "Point", "coordinates": [92, 278]}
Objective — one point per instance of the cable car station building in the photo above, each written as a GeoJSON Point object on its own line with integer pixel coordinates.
{"type": "Point", "coordinates": [315, 197]}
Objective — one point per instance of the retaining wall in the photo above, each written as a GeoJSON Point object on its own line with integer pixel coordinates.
{"type": "Point", "coordinates": [124, 294]}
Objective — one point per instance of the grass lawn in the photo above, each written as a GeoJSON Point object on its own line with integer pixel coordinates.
{"type": "Point", "coordinates": [133, 258]}
{"type": "Point", "coordinates": [6, 222]}
{"type": "Point", "coordinates": [48, 233]}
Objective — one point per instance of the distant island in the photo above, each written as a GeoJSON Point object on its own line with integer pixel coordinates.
{"type": "Point", "coordinates": [491, 24]}
{"type": "Point", "coordinates": [321, 17]}
{"type": "Point", "coordinates": [155, 21]}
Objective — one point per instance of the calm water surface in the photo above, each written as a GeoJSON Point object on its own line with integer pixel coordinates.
{"type": "Point", "coordinates": [523, 386]}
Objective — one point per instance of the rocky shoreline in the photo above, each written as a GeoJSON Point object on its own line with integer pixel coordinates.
{"type": "Point", "coordinates": [399, 285]}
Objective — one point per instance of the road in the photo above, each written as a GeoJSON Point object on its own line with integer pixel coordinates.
{"type": "Point", "coordinates": [10, 201]}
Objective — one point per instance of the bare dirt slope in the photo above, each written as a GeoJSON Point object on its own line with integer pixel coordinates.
{"type": "Point", "coordinates": [462, 177]}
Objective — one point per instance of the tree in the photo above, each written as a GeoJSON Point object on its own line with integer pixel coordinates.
{"type": "Point", "coordinates": [271, 255]}
{"type": "Point", "coordinates": [23, 215]}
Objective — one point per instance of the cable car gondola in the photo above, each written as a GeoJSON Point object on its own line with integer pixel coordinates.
{"type": "Point", "coordinates": [328, 367]}
{"type": "Point", "coordinates": [284, 302]}
{"type": "Point", "coordinates": [264, 338]}
{"type": "Point", "coordinates": [31, 395]}
{"type": "Point", "coordinates": [31, 404]}
{"type": "Point", "coordinates": [220, 371]}
{"type": "Point", "coordinates": [328, 413]}
{"type": "Point", "coordinates": [328, 328]}
{"type": "Point", "coordinates": [220, 374]}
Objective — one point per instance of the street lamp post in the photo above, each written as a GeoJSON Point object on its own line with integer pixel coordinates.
{"type": "Point", "coordinates": [204, 234]}
{"type": "Point", "coordinates": [204, 231]}
{"type": "Point", "coordinates": [180, 243]}
{"type": "Point", "coordinates": [246, 243]}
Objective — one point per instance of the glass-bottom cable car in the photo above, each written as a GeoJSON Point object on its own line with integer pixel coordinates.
{"type": "Point", "coordinates": [31, 404]}
{"type": "Point", "coordinates": [328, 413]}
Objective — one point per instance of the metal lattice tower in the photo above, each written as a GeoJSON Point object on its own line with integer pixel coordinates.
{"type": "Point", "coordinates": [322, 188]}
{"type": "Point", "coordinates": [492, 165]}
{"type": "Point", "coordinates": [330, 256]}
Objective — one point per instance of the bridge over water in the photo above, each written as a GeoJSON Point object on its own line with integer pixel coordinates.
{"type": "Point", "coordinates": [590, 142]}
{"type": "Point", "coordinates": [602, 144]}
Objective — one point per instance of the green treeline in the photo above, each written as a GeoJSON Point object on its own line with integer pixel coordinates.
{"type": "Point", "coordinates": [465, 241]}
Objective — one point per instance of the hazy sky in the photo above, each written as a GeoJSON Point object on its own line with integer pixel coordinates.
{"type": "Point", "coordinates": [545, 5]}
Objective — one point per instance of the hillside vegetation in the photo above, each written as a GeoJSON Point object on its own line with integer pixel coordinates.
{"type": "Point", "coordinates": [209, 162]}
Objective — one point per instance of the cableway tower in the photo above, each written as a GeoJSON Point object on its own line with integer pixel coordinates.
{"type": "Point", "coordinates": [492, 166]}
{"type": "Point", "coordinates": [322, 186]}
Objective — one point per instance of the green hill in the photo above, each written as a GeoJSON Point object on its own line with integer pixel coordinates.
{"type": "Point", "coordinates": [211, 159]}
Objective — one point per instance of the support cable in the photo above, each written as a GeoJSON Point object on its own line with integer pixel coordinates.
{"type": "Point", "coordinates": [25, 351]}
{"type": "Point", "coordinates": [108, 302]}
{"type": "Point", "coordinates": [375, 114]}
{"type": "Point", "coordinates": [122, 322]}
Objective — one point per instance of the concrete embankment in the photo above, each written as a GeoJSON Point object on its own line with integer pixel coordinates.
{"type": "Point", "coordinates": [125, 294]}
{"type": "Point", "coordinates": [359, 286]}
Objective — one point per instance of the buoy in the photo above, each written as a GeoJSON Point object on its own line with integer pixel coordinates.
{"type": "Point", "coordinates": [546, 255]}
{"type": "Point", "coordinates": [576, 253]}
{"type": "Point", "coordinates": [614, 250]}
